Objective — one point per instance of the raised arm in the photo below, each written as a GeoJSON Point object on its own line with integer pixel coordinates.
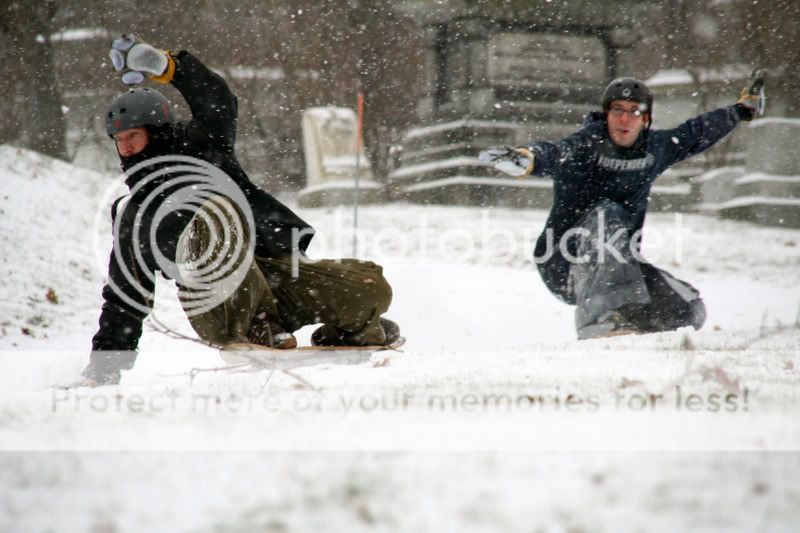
{"type": "Point", "coordinates": [702, 132]}
{"type": "Point", "coordinates": [699, 133]}
{"type": "Point", "coordinates": [214, 107]}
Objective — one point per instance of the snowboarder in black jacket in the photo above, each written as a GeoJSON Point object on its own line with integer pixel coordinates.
{"type": "Point", "coordinates": [275, 289]}
{"type": "Point", "coordinates": [602, 174]}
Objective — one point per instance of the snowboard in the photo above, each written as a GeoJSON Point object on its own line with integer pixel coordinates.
{"type": "Point", "coordinates": [243, 352]}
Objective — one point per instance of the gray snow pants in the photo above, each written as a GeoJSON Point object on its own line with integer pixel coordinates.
{"type": "Point", "coordinates": [605, 276]}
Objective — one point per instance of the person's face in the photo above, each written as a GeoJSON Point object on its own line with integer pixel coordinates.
{"type": "Point", "coordinates": [625, 122]}
{"type": "Point", "coordinates": [131, 142]}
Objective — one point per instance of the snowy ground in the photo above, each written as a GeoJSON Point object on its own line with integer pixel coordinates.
{"type": "Point", "coordinates": [493, 417]}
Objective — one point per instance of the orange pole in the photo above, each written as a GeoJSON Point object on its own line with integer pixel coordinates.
{"type": "Point", "coordinates": [359, 145]}
{"type": "Point", "coordinates": [360, 130]}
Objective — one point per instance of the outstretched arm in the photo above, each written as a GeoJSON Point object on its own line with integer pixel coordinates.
{"type": "Point", "coordinates": [546, 158]}
{"type": "Point", "coordinates": [577, 149]}
{"type": "Point", "coordinates": [700, 133]}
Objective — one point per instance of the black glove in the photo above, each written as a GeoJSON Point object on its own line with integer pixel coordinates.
{"type": "Point", "coordinates": [752, 100]}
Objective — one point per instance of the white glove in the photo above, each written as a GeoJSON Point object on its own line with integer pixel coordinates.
{"type": "Point", "coordinates": [517, 162]}
{"type": "Point", "coordinates": [135, 58]}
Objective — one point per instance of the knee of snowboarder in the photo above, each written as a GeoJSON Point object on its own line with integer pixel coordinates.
{"type": "Point", "coordinates": [698, 310]}
{"type": "Point", "coordinates": [610, 209]}
{"type": "Point", "coordinates": [383, 293]}
{"type": "Point", "coordinates": [380, 288]}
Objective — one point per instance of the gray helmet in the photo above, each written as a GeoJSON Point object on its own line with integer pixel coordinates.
{"type": "Point", "coordinates": [138, 107]}
{"type": "Point", "coordinates": [628, 89]}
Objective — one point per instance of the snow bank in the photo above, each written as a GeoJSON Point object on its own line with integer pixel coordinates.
{"type": "Point", "coordinates": [48, 208]}
{"type": "Point", "coordinates": [491, 367]}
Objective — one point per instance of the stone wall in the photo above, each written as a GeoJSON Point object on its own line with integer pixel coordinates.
{"type": "Point", "coordinates": [766, 189]}
{"type": "Point", "coordinates": [501, 76]}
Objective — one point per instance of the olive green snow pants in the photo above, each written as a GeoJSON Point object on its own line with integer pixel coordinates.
{"type": "Point", "coordinates": [347, 294]}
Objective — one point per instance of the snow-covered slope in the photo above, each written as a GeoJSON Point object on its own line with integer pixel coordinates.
{"type": "Point", "coordinates": [491, 369]}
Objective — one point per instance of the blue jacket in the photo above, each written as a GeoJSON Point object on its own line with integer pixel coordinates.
{"type": "Point", "coordinates": [587, 168]}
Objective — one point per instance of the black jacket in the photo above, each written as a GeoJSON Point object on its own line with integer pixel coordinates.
{"type": "Point", "coordinates": [210, 136]}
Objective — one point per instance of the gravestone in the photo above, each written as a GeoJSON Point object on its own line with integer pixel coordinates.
{"type": "Point", "coordinates": [496, 76]}
{"type": "Point", "coordinates": [329, 146]}
{"type": "Point", "coordinates": [766, 190]}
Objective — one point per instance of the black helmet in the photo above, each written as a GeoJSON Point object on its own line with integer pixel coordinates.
{"type": "Point", "coordinates": [137, 107]}
{"type": "Point", "coordinates": [628, 89]}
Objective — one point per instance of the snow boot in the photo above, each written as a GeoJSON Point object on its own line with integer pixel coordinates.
{"type": "Point", "coordinates": [331, 336]}
{"type": "Point", "coordinates": [268, 333]}
{"type": "Point", "coordinates": [610, 324]}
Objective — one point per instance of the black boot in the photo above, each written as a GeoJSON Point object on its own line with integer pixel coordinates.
{"type": "Point", "coordinates": [269, 333]}
{"type": "Point", "coordinates": [610, 324]}
{"type": "Point", "coordinates": [331, 336]}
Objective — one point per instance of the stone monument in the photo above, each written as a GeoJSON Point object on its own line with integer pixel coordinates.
{"type": "Point", "coordinates": [766, 189]}
{"type": "Point", "coordinates": [496, 75]}
{"type": "Point", "coordinates": [329, 145]}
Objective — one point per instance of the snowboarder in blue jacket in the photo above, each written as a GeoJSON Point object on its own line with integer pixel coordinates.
{"type": "Point", "coordinates": [602, 175]}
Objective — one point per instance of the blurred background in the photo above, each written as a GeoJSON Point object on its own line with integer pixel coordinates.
{"type": "Point", "coordinates": [413, 60]}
